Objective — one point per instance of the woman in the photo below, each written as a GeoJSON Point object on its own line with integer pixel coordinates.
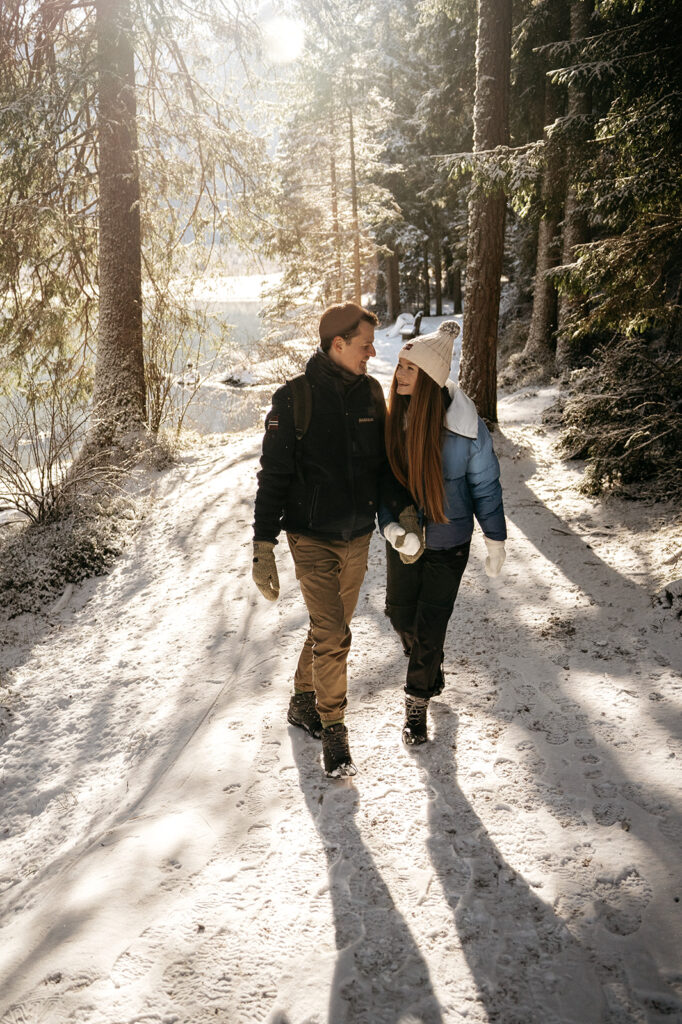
{"type": "Point", "coordinates": [441, 451]}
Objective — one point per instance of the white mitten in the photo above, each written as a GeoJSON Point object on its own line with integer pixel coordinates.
{"type": "Point", "coordinates": [405, 543]}
{"type": "Point", "coordinates": [496, 556]}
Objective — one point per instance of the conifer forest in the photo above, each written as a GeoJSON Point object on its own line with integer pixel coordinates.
{"type": "Point", "coordinates": [521, 160]}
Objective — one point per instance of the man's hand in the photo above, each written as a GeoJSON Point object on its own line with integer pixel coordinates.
{"type": "Point", "coordinates": [496, 556]}
{"type": "Point", "coordinates": [264, 570]}
{"type": "Point", "coordinates": [409, 520]}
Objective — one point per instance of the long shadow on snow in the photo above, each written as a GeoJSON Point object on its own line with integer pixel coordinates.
{"type": "Point", "coordinates": [70, 924]}
{"type": "Point", "coordinates": [603, 585]}
{"type": "Point", "coordinates": [107, 820]}
{"type": "Point", "coordinates": [526, 964]}
{"type": "Point", "coordinates": [473, 633]}
{"type": "Point", "coordinates": [380, 973]}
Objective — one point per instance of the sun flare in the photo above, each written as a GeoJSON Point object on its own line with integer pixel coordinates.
{"type": "Point", "coordinates": [283, 39]}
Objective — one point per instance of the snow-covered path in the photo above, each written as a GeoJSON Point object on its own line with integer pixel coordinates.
{"type": "Point", "coordinates": [173, 852]}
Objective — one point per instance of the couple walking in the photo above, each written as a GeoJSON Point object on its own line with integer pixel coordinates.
{"type": "Point", "coordinates": [335, 459]}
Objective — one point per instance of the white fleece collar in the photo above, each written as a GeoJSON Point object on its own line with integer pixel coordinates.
{"type": "Point", "coordinates": [461, 416]}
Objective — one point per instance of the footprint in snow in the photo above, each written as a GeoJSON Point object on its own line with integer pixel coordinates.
{"type": "Point", "coordinates": [607, 812]}
{"type": "Point", "coordinates": [622, 901]}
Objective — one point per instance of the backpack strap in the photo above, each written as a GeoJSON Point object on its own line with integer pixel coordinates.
{"type": "Point", "coordinates": [302, 398]}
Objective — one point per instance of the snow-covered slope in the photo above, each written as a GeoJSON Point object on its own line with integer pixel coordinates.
{"type": "Point", "coordinates": [172, 851]}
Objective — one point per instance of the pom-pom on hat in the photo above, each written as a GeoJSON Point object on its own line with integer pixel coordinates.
{"type": "Point", "coordinates": [432, 353]}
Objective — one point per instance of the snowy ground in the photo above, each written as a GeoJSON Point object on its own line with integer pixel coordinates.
{"type": "Point", "coordinates": [173, 853]}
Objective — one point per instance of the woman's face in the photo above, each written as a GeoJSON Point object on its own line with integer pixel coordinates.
{"type": "Point", "coordinates": [406, 377]}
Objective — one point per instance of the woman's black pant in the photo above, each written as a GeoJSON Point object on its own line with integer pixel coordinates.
{"type": "Point", "coordinates": [419, 602]}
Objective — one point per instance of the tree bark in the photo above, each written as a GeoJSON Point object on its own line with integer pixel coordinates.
{"type": "Point", "coordinates": [453, 280]}
{"type": "Point", "coordinates": [338, 290]}
{"type": "Point", "coordinates": [485, 240]}
{"type": "Point", "coordinates": [539, 347]}
{"type": "Point", "coordinates": [357, 285]}
{"type": "Point", "coordinates": [575, 229]}
{"type": "Point", "coordinates": [119, 411]}
{"type": "Point", "coordinates": [392, 287]}
{"type": "Point", "coordinates": [381, 286]}
{"type": "Point", "coordinates": [457, 289]}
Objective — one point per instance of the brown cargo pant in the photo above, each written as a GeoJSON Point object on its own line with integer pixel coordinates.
{"type": "Point", "coordinates": [330, 574]}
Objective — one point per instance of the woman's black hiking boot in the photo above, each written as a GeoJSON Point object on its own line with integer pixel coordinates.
{"type": "Point", "coordinates": [414, 728]}
{"type": "Point", "coordinates": [302, 712]}
{"type": "Point", "coordinates": [337, 760]}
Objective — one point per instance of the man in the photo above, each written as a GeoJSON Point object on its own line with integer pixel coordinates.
{"type": "Point", "coordinates": [320, 483]}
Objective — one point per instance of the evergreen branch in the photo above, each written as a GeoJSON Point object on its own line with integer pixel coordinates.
{"type": "Point", "coordinates": [601, 68]}
{"type": "Point", "coordinates": [625, 31]}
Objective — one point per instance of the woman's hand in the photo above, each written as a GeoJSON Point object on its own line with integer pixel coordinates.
{"type": "Point", "coordinates": [409, 520]}
{"type": "Point", "coordinates": [403, 542]}
{"type": "Point", "coordinates": [496, 556]}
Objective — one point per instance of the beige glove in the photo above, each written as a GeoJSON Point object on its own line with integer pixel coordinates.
{"type": "Point", "coordinates": [409, 520]}
{"type": "Point", "coordinates": [264, 570]}
{"type": "Point", "coordinates": [496, 556]}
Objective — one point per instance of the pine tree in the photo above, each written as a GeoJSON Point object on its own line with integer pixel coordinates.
{"type": "Point", "coordinates": [47, 194]}
{"type": "Point", "coordinates": [478, 365]}
{"type": "Point", "coordinates": [424, 67]}
{"type": "Point", "coordinates": [184, 138]}
{"type": "Point", "coordinates": [575, 226]}
{"type": "Point", "coordinates": [120, 393]}
{"type": "Point", "coordinates": [540, 345]}
{"type": "Point", "coordinates": [629, 178]}
{"type": "Point", "coordinates": [323, 206]}
{"type": "Point", "coordinates": [624, 414]}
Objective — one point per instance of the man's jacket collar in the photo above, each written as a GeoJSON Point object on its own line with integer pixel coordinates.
{"type": "Point", "coordinates": [322, 367]}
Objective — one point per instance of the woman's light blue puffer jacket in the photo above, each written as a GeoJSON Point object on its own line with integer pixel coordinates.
{"type": "Point", "coordinates": [471, 477]}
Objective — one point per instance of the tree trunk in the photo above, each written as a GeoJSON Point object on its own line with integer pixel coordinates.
{"type": "Point", "coordinates": [119, 396]}
{"type": "Point", "coordinates": [381, 287]}
{"type": "Point", "coordinates": [438, 275]}
{"type": "Point", "coordinates": [485, 240]}
{"type": "Point", "coordinates": [357, 285]}
{"type": "Point", "coordinates": [539, 347]}
{"type": "Point", "coordinates": [575, 229]}
{"type": "Point", "coordinates": [457, 289]}
{"type": "Point", "coordinates": [426, 306]}
{"type": "Point", "coordinates": [453, 280]}
{"type": "Point", "coordinates": [338, 290]}
{"type": "Point", "coordinates": [392, 287]}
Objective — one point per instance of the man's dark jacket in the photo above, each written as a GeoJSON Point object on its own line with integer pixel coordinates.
{"type": "Point", "coordinates": [327, 484]}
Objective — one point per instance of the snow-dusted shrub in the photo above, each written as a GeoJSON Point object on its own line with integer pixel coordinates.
{"type": "Point", "coordinates": [43, 419]}
{"type": "Point", "coordinates": [38, 560]}
{"type": "Point", "coordinates": [163, 453]}
{"type": "Point", "coordinates": [624, 416]}
{"type": "Point", "coordinates": [515, 370]}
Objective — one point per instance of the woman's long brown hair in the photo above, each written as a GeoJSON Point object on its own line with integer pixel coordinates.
{"type": "Point", "coordinates": [414, 425]}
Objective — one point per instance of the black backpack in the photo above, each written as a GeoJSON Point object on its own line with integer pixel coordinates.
{"type": "Point", "coordinates": [302, 396]}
